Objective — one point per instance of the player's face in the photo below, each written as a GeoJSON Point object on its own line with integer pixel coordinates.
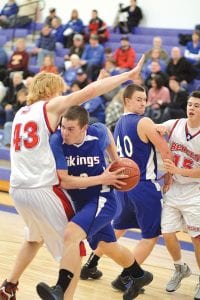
{"type": "Point", "coordinates": [137, 103]}
{"type": "Point", "coordinates": [193, 109]}
{"type": "Point", "coordinates": [71, 132]}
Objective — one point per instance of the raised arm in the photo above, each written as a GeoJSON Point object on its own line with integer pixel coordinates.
{"type": "Point", "coordinates": [57, 106]}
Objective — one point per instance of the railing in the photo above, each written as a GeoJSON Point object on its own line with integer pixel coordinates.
{"type": "Point", "coordinates": [39, 7]}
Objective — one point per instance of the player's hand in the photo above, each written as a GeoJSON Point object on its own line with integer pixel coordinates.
{"type": "Point", "coordinates": [135, 72]}
{"type": "Point", "coordinates": [161, 129]}
{"type": "Point", "coordinates": [170, 166]}
{"type": "Point", "coordinates": [168, 180]}
{"type": "Point", "coordinates": [114, 178]}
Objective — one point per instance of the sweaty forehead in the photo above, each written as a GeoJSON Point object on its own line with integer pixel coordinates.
{"type": "Point", "coordinates": [194, 100]}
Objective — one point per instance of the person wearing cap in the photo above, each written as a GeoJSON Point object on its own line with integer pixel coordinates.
{"type": "Point", "coordinates": [49, 18]}
{"type": "Point", "coordinates": [81, 78]}
{"type": "Point", "coordinates": [93, 57]}
{"type": "Point", "coordinates": [78, 45]}
{"type": "Point", "coordinates": [125, 55]}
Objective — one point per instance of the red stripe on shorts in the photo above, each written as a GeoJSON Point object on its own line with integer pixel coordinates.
{"type": "Point", "coordinates": [65, 202]}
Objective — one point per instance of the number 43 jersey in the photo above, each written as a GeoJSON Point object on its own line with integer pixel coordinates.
{"type": "Point", "coordinates": [32, 161]}
{"type": "Point", "coordinates": [130, 145]}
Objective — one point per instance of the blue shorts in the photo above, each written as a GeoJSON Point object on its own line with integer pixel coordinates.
{"type": "Point", "coordinates": [94, 216]}
{"type": "Point", "coordinates": [140, 208]}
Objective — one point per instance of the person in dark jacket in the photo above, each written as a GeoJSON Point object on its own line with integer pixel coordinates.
{"type": "Point", "coordinates": [134, 15]}
{"type": "Point", "coordinates": [8, 13]}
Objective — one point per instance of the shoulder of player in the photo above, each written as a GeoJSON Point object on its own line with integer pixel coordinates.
{"type": "Point", "coordinates": [56, 137]}
{"type": "Point", "coordinates": [146, 123]}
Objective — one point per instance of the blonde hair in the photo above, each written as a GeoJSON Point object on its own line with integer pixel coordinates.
{"type": "Point", "coordinates": [45, 86]}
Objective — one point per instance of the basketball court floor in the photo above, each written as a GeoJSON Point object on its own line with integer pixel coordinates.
{"type": "Point", "coordinates": [44, 268]}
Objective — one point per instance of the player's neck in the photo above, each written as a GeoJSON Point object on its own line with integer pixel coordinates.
{"type": "Point", "coordinates": [193, 123]}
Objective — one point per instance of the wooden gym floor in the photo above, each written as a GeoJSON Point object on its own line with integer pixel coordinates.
{"type": "Point", "coordinates": [44, 268]}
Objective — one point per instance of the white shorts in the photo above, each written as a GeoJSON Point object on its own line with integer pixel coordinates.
{"type": "Point", "coordinates": [46, 212]}
{"type": "Point", "coordinates": [181, 209]}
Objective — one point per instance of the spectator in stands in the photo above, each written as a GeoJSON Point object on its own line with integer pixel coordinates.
{"type": "Point", "coordinates": [81, 78]}
{"type": "Point", "coordinates": [93, 57]}
{"type": "Point", "coordinates": [177, 107]}
{"type": "Point", "coordinates": [77, 47]}
{"type": "Point", "coordinates": [49, 65]}
{"type": "Point", "coordinates": [108, 53]}
{"type": "Point", "coordinates": [73, 26]}
{"type": "Point", "coordinates": [155, 56]}
{"type": "Point", "coordinates": [98, 27]}
{"type": "Point", "coordinates": [2, 91]}
{"type": "Point", "coordinates": [125, 56]}
{"type": "Point", "coordinates": [134, 15]}
{"type": "Point", "coordinates": [57, 31]}
{"type": "Point", "coordinates": [114, 110]}
{"type": "Point", "coordinates": [158, 97]}
{"type": "Point", "coordinates": [157, 43]}
{"type": "Point", "coordinates": [20, 58]}
{"type": "Point", "coordinates": [8, 14]}
{"type": "Point", "coordinates": [192, 51]}
{"type": "Point", "coordinates": [46, 44]}
{"type": "Point", "coordinates": [155, 69]}
{"type": "Point", "coordinates": [180, 69]}
{"type": "Point", "coordinates": [95, 106]}
{"type": "Point", "coordinates": [10, 99]}
{"type": "Point", "coordinates": [71, 71]}
{"type": "Point", "coordinates": [3, 58]}
{"type": "Point", "coordinates": [21, 101]}
{"type": "Point", "coordinates": [50, 17]}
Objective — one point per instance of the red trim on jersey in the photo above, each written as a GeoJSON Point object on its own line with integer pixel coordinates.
{"type": "Point", "coordinates": [173, 128]}
{"type": "Point", "coordinates": [188, 135]}
{"type": "Point", "coordinates": [46, 118]}
{"type": "Point", "coordinates": [65, 202]}
{"type": "Point", "coordinates": [69, 213]}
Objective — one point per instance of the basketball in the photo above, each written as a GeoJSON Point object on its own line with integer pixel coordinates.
{"type": "Point", "coordinates": [131, 169]}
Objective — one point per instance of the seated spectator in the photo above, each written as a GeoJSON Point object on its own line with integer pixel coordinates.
{"type": "Point", "coordinates": [158, 97]}
{"type": "Point", "coordinates": [73, 26]}
{"type": "Point", "coordinates": [48, 65]}
{"type": "Point", "coordinates": [125, 56]}
{"type": "Point", "coordinates": [114, 110]}
{"type": "Point", "coordinates": [93, 57]}
{"type": "Point", "coordinates": [20, 58]}
{"type": "Point", "coordinates": [157, 43]}
{"type": "Point", "coordinates": [3, 90]}
{"type": "Point", "coordinates": [21, 101]}
{"type": "Point", "coordinates": [57, 31]}
{"type": "Point", "coordinates": [8, 103]}
{"type": "Point", "coordinates": [50, 17]}
{"type": "Point", "coordinates": [77, 47]}
{"type": "Point", "coordinates": [134, 16]}
{"type": "Point", "coordinates": [81, 78]}
{"type": "Point", "coordinates": [71, 71]}
{"type": "Point", "coordinates": [8, 14]}
{"type": "Point", "coordinates": [155, 56]}
{"type": "Point", "coordinates": [46, 44]}
{"type": "Point", "coordinates": [111, 70]}
{"type": "Point", "coordinates": [180, 69]}
{"type": "Point", "coordinates": [98, 27]}
{"type": "Point", "coordinates": [108, 54]}
{"type": "Point", "coordinates": [176, 109]}
{"type": "Point", "coordinates": [192, 51]}
{"type": "Point", "coordinates": [155, 69]}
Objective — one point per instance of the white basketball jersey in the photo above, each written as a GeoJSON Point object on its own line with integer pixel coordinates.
{"type": "Point", "coordinates": [32, 162]}
{"type": "Point", "coordinates": [185, 147]}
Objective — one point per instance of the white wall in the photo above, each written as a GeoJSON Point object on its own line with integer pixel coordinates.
{"type": "Point", "coordinates": [157, 13]}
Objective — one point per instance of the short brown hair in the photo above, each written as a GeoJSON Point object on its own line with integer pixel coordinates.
{"type": "Point", "coordinates": [77, 113]}
{"type": "Point", "coordinates": [131, 89]}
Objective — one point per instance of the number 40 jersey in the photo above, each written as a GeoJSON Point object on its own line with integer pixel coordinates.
{"type": "Point", "coordinates": [32, 161]}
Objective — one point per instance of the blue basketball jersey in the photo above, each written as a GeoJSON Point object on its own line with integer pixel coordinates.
{"type": "Point", "coordinates": [131, 146]}
{"type": "Point", "coordinates": [86, 159]}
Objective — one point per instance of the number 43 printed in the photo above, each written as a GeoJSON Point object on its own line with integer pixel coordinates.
{"type": "Point", "coordinates": [30, 130]}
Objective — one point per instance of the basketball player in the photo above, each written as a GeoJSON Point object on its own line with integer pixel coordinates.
{"type": "Point", "coordinates": [136, 138]}
{"type": "Point", "coordinates": [33, 172]}
{"type": "Point", "coordinates": [181, 207]}
{"type": "Point", "coordinates": [80, 148]}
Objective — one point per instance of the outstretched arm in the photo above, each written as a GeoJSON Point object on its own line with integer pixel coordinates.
{"type": "Point", "coordinates": [57, 106]}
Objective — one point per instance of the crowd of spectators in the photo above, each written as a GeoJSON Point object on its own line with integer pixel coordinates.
{"type": "Point", "coordinates": [168, 77]}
